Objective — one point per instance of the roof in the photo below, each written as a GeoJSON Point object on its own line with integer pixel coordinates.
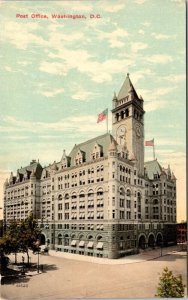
{"type": "Point", "coordinates": [34, 168]}
{"type": "Point", "coordinates": [153, 167]}
{"type": "Point", "coordinates": [126, 88]}
{"type": "Point", "coordinates": [104, 141]}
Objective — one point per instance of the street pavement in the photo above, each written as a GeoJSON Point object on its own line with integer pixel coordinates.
{"type": "Point", "coordinates": [70, 276]}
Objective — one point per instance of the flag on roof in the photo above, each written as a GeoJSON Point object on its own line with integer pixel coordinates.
{"type": "Point", "coordinates": [149, 143]}
{"type": "Point", "coordinates": [102, 116]}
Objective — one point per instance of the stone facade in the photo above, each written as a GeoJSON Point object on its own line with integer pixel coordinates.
{"type": "Point", "coordinates": [101, 199]}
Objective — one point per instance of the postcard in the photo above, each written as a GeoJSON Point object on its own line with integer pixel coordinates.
{"type": "Point", "coordinates": [92, 129]}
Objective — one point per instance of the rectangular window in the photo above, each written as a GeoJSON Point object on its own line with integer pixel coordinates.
{"type": "Point", "coordinates": [59, 216]}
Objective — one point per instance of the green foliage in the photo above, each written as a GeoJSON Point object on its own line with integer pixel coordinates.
{"type": "Point", "coordinates": [170, 286]}
{"type": "Point", "coordinates": [20, 236]}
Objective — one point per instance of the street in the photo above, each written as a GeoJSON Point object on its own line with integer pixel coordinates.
{"type": "Point", "coordinates": [67, 276]}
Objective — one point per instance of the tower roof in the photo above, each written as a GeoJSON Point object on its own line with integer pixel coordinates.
{"type": "Point", "coordinates": [153, 168]}
{"type": "Point", "coordinates": [126, 89]}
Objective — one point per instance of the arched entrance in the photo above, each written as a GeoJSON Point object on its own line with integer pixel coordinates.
{"type": "Point", "coordinates": [159, 240]}
{"type": "Point", "coordinates": [42, 239]}
{"type": "Point", "coordinates": [142, 242]}
{"type": "Point", "coordinates": [151, 241]}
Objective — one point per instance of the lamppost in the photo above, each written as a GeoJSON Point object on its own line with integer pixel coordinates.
{"type": "Point", "coordinates": [162, 247]}
{"type": "Point", "coordinates": [38, 261]}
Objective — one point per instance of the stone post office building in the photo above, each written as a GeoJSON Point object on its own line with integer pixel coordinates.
{"type": "Point", "coordinates": [101, 199]}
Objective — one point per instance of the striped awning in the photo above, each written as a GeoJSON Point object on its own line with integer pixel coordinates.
{"type": "Point", "coordinates": [73, 243]}
{"type": "Point", "coordinates": [81, 244]}
{"type": "Point", "coordinates": [90, 244]}
{"type": "Point", "coordinates": [100, 245]}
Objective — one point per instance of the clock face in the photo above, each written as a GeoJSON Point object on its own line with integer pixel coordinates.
{"type": "Point", "coordinates": [121, 131]}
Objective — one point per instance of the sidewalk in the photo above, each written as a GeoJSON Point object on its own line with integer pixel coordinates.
{"type": "Point", "coordinates": [137, 258]}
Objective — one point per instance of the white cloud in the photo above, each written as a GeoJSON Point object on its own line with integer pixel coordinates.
{"type": "Point", "coordinates": [52, 93]}
{"type": "Point", "coordinates": [75, 6]}
{"type": "Point", "coordinates": [80, 124]}
{"type": "Point", "coordinates": [141, 31]}
{"type": "Point", "coordinates": [159, 58]}
{"type": "Point", "coordinates": [24, 63]}
{"type": "Point", "coordinates": [83, 62]}
{"type": "Point", "coordinates": [155, 94]}
{"type": "Point", "coordinates": [136, 76]}
{"type": "Point", "coordinates": [55, 68]}
{"type": "Point", "coordinates": [81, 95]}
{"type": "Point", "coordinates": [140, 1]}
{"type": "Point", "coordinates": [151, 106]}
{"type": "Point", "coordinates": [22, 36]}
{"type": "Point", "coordinates": [154, 99]}
{"type": "Point", "coordinates": [138, 46]}
{"type": "Point", "coordinates": [160, 36]}
{"type": "Point", "coordinates": [175, 77]}
{"type": "Point", "coordinates": [114, 38]}
{"type": "Point", "coordinates": [9, 69]}
{"type": "Point", "coordinates": [146, 24]}
{"type": "Point", "coordinates": [180, 2]}
{"type": "Point", "coordinates": [112, 8]}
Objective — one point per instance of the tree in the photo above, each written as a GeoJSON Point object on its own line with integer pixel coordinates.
{"type": "Point", "coordinates": [20, 237]}
{"type": "Point", "coordinates": [28, 234]}
{"type": "Point", "coordinates": [10, 240]}
{"type": "Point", "coordinates": [170, 286]}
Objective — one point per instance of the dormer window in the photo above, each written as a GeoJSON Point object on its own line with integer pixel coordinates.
{"type": "Point", "coordinates": [80, 157]}
{"type": "Point", "coordinates": [97, 152]}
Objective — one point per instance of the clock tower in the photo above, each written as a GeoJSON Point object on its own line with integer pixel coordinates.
{"type": "Point", "coordinates": [128, 122]}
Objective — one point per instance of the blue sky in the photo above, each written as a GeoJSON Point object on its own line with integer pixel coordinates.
{"type": "Point", "coordinates": [57, 75]}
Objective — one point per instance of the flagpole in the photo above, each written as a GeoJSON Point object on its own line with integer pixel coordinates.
{"type": "Point", "coordinates": [153, 150]}
{"type": "Point", "coordinates": [107, 120]}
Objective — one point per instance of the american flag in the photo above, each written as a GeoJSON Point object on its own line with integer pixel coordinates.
{"type": "Point", "coordinates": [102, 116]}
{"type": "Point", "coordinates": [149, 143]}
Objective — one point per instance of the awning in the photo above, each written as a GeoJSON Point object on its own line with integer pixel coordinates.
{"type": "Point", "coordinates": [92, 214]}
{"type": "Point", "coordinates": [100, 245]}
{"type": "Point", "coordinates": [98, 226]}
{"type": "Point", "coordinates": [101, 227]}
{"type": "Point", "coordinates": [81, 244]}
{"type": "Point", "coordinates": [73, 243]}
{"type": "Point", "coordinates": [90, 244]}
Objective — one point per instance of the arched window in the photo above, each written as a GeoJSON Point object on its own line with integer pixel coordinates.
{"type": "Point", "coordinates": [122, 192]}
{"type": "Point", "coordinates": [60, 197]}
{"type": "Point", "coordinates": [59, 239]}
{"type": "Point", "coordinates": [74, 196]}
{"type": "Point", "coordinates": [66, 196]}
{"type": "Point", "coordinates": [99, 238]}
{"type": "Point", "coordinates": [82, 194]}
{"type": "Point", "coordinates": [138, 196]}
{"type": "Point", "coordinates": [99, 192]}
{"type": "Point", "coordinates": [66, 240]}
{"type": "Point", "coordinates": [90, 193]}
{"type": "Point", "coordinates": [155, 201]}
{"type": "Point", "coordinates": [128, 193]}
